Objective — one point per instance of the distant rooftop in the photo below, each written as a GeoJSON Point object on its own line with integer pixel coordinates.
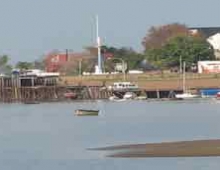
{"type": "Point", "coordinates": [207, 31]}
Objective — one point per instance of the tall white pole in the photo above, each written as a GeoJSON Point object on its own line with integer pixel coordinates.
{"type": "Point", "coordinates": [180, 69]}
{"type": "Point", "coordinates": [184, 77]}
{"type": "Point", "coordinates": [80, 67]}
{"type": "Point", "coordinates": [123, 65]}
{"type": "Point", "coordinates": [98, 45]}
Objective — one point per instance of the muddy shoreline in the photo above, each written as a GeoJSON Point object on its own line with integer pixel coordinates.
{"type": "Point", "coordinates": [196, 148]}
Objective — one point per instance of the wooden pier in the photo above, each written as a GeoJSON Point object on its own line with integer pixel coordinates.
{"type": "Point", "coordinates": [90, 92]}
{"type": "Point", "coordinates": [31, 89]}
{"type": "Point", "coordinates": [37, 89]}
{"type": "Point", "coordinates": [23, 89]}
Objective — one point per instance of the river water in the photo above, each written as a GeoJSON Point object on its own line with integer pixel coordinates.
{"type": "Point", "coordinates": [49, 137]}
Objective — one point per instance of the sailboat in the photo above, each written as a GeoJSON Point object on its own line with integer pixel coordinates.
{"type": "Point", "coordinates": [185, 94]}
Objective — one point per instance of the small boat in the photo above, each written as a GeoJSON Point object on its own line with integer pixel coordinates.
{"type": "Point", "coordinates": [116, 99]}
{"type": "Point", "coordinates": [31, 102]}
{"type": "Point", "coordinates": [186, 96]}
{"type": "Point", "coordinates": [70, 95]}
{"type": "Point", "coordinates": [141, 98]}
{"type": "Point", "coordinates": [129, 95]}
{"type": "Point", "coordinates": [84, 112]}
{"type": "Point", "coordinates": [218, 96]}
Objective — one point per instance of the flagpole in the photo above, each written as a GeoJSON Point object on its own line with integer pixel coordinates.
{"type": "Point", "coordinates": [98, 45]}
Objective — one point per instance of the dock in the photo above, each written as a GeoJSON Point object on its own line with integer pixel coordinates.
{"type": "Point", "coordinates": [37, 89]}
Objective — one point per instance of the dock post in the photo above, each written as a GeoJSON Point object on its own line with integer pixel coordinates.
{"type": "Point", "coordinates": [158, 94]}
{"type": "Point", "coordinates": [146, 94]}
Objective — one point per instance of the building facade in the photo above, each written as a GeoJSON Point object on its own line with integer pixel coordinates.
{"type": "Point", "coordinates": [212, 35]}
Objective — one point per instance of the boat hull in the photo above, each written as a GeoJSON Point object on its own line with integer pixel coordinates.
{"type": "Point", "coordinates": [86, 112]}
{"type": "Point", "coordinates": [186, 96]}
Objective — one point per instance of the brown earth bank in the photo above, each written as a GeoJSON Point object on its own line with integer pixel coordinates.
{"type": "Point", "coordinates": [148, 81]}
{"type": "Point", "coordinates": [197, 148]}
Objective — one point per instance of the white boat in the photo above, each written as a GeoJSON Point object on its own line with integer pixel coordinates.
{"type": "Point", "coordinates": [185, 94]}
{"type": "Point", "coordinates": [112, 98]}
{"type": "Point", "coordinates": [141, 98]}
{"type": "Point", "coordinates": [120, 86]}
{"type": "Point", "coordinates": [129, 95]}
{"type": "Point", "coordinates": [124, 91]}
{"type": "Point", "coordinates": [116, 99]}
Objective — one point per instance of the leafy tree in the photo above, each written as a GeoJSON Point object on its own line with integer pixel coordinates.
{"type": "Point", "coordinates": [4, 66]}
{"type": "Point", "coordinates": [4, 60]}
{"type": "Point", "coordinates": [191, 49]}
{"type": "Point", "coordinates": [39, 65]}
{"type": "Point", "coordinates": [132, 58]}
{"type": "Point", "coordinates": [166, 44]}
{"type": "Point", "coordinates": [24, 65]}
{"type": "Point", "coordinates": [158, 36]}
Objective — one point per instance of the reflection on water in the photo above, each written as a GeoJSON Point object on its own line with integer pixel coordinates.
{"type": "Point", "coordinates": [49, 136]}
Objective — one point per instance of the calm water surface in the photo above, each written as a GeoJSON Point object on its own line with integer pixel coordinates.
{"type": "Point", "coordinates": [50, 137]}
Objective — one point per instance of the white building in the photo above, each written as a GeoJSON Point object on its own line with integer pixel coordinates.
{"type": "Point", "coordinates": [209, 67]}
{"type": "Point", "coordinates": [212, 34]}
{"type": "Point", "coordinates": [215, 42]}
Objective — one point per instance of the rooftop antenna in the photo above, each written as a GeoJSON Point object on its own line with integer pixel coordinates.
{"type": "Point", "coordinates": [98, 46]}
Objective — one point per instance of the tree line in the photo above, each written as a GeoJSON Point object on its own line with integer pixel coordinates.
{"type": "Point", "coordinates": [164, 48]}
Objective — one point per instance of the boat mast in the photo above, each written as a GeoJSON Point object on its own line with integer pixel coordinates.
{"type": "Point", "coordinates": [184, 77]}
{"type": "Point", "coordinates": [98, 45]}
{"type": "Point", "coordinates": [180, 61]}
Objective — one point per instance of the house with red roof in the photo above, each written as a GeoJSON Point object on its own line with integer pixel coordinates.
{"type": "Point", "coordinates": [58, 62]}
{"type": "Point", "coordinates": [55, 61]}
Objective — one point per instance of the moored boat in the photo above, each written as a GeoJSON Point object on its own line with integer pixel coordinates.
{"type": "Point", "coordinates": [186, 96]}
{"type": "Point", "coordinates": [70, 95]}
{"type": "Point", "coordinates": [218, 96]}
{"type": "Point", "coordinates": [129, 95]}
{"type": "Point", "coordinates": [121, 86]}
{"type": "Point", "coordinates": [119, 89]}
{"type": "Point", "coordinates": [84, 112]}
{"type": "Point", "coordinates": [31, 102]}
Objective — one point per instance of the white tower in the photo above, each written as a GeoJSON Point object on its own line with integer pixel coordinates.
{"type": "Point", "coordinates": [98, 41]}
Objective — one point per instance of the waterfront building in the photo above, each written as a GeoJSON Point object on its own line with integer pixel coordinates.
{"type": "Point", "coordinates": [212, 35]}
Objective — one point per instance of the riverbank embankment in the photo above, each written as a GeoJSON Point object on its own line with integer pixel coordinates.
{"type": "Point", "coordinates": [151, 85]}
{"type": "Point", "coordinates": [148, 81]}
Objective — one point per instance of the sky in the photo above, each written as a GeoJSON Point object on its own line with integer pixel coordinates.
{"type": "Point", "coordinates": [32, 28]}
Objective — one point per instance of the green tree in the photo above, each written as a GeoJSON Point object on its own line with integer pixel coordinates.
{"type": "Point", "coordinates": [191, 49]}
{"type": "Point", "coordinates": [158, 36]}
{"type": "Point", "coordinates": [4, 60]}
{"type": "Point", "coordinates": [24, 65]}
{"type": "Point", "coordinates": [37, 64]}
{"type": "Point", "coordinates": [4, 66]}
{"type": "Point", "coordinates": [131, 57]}
{"type": "Point", "coordinates": [166, 44]}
